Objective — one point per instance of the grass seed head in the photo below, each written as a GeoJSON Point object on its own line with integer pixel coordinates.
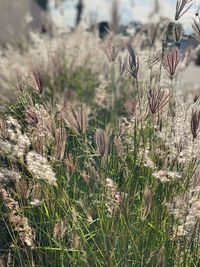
{"type": "Point", "coordinates": [171, 60]}
{"type": "Point", "coordinates": [111, 52]}
{"type": "Point", "coordinates": [101, 143]}
{"type": "Point", "coordinates": [195, 123]}
{"type": "Point", "coordinates": [182, 7]}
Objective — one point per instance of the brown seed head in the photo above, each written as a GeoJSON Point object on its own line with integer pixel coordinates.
{"type": "Point", "coordinates": [196, 97]}
{"type": "Point", "coordinates": [195, 123]}
{"type": "Point", "coordinates": [31, 116]}
{"type": "Point", "coordinates": [161, 258]}
{"type": "Point", "coordinates": [77, 119]}
{"type": "Point", "coordinates": [60, 142]}
{"type": "Point", "coordinates": [178, 32]}
{"type": "Point", "coordinates": [70, 162]}
{"type": "Point", "coordinates": [147, 199]}
{"type": "Point", "coordinates": [196, 28]}
{"type": "Point", "coordinates": [100, 139]}
{"type": "Point", "coordinates": [182, 7]}
{"type": "Point", "coordinates": [133, 62]}
{"type": "Point", "coordinates": [122, 65]}
{"type": "Point", "coordinates": [171, 60]}
{"type": "Point", "coordinates": [111, 53]}
{"type": "Point", "coordinates": [157, 100]}
{"type": "Point", "coordinates": [38, 81]}
{"type": "Point", "coordinates": [196, 179]}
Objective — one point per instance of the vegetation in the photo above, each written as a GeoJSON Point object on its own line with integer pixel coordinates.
{"type": "Point", "coordinates": [99, 153]}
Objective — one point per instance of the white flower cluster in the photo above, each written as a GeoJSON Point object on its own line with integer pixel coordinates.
{"type": "Point", "coordinates": [15, 144]}
{"type": "Point", "coordinates": [166, 176]}
{"type": "Point", "coordinates": [40, 168]}
{"type": "Point", "coordinates": [186, 209]}
{"type": "Point", "coordinates": [177, 135]}
{"type": "Point", "coordinates": [41, 132]}
{"type": "Point", "coordinates": [7, 175]}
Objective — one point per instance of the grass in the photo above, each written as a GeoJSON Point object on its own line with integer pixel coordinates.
{"type": "Point", "coordinates": [125, 195]}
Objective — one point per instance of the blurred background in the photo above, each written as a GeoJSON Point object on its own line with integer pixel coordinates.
{"type": "Point", "coordinates": [124, 17]}
{"type": "Point", "coordinates": [16, 17]}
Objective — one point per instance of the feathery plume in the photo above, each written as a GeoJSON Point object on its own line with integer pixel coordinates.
{"type": "Point", "coordinates": [100, 139]}
{"type": "Point", "coordinates": [38, 81]}
{"type": "Point", "coordinates": [196, 180]}
{"type": "Point", "coordinates": [147, 202]}
{"type": "Point", "coordinates": [70, 162]}
{"type": "Point", "coordinates": [111, 53]}
{"type": "Point", "coordinates": [77, 119]}
{"type": "Point", "coordinates": [60, 229]}
{"type": "Point", "coordinates": [178, 32]}
{"type": "Point", "coordinates": [122, 65]}
{"type": "Point", "coordinates": [195, 123]}
{"type": "Point", "coordinates": [196, 29]}
{"type": "Point", "coordinates": [7, 176]}
{"type": "Point", "coordinates": [60, 142]}
{"type": "Point", "coordinates": [182, 7]}
{"type": "Point", "coordinates": [171, 60]}
{"type": "Point", "coordinates": [31, 116]}
{"type": "Point", "coordinates": [157, 100]}
{"type": "Point", "coordinates": [133, 62]}
{"type": "Point", "coordinates": [40, 168]}
{"type": "Point", "coordinates": [119, 146]}
{"type": "Point", "coordinates": [19, 222]}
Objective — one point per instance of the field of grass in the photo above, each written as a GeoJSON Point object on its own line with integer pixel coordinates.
{"type": "Point", "coordinates": [99, 153]}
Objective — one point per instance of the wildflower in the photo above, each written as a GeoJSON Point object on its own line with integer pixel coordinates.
{"type": "Point", "coordinates": [133, 62]}
{"type": "Point", "coordinates": [40, 168]}
{"type": "Point", "coordinates": [100, 139]}
{"type": "Point", "coordinates": [181, 8]}
{"type": "Point", "coordinates": [122, 65]}
{"type": "Point", "coordinates": [111, 52]}
{"type": "Point", "coordinates": [157, 100]}
{"type": "Point", "coordinates": [195, 123]}
{"type": "Point", "coordinates": [77, 119]}
{"type": "Point", "coordinates": [196, 29]}
{"type": "Point", "coordinates": [171, 60]}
